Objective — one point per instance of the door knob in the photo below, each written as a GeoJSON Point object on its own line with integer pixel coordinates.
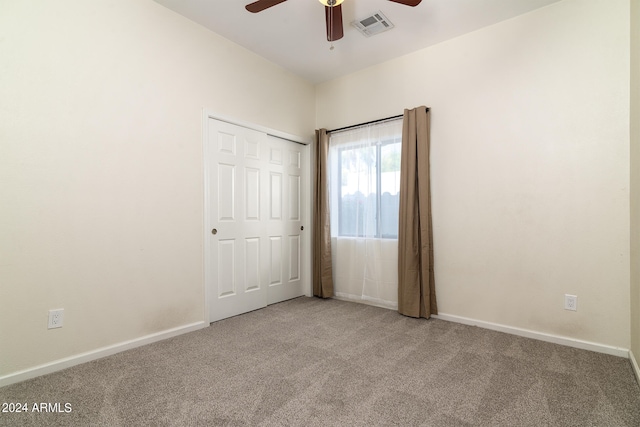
{"type": "Point", "coordinates": [214, 231]}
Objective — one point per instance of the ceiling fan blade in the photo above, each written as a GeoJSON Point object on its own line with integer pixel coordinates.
{"type": "Point", "coordinates": [260, 5]}
{"type": "Point", "coordinates": [411, 3]}
{"type": "Point", "coordinates": [333, 15]}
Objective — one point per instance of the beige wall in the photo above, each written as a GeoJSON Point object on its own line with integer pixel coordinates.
{"type": "Point", "coordinates": [101, 194]}
{"type": "Point", "coordinates": [530, 164]}
{"type": "Point", "coordinates": [635, 178]}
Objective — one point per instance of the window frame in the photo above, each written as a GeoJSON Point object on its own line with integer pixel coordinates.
{"type": "Point", "coordinates": [378, 203]}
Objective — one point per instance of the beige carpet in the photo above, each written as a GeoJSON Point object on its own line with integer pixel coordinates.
{"type": "Point", "coordinates": [313, 362]}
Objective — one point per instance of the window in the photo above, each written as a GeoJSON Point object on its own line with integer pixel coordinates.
{"type": "Point", "coordinates": [365, 181]}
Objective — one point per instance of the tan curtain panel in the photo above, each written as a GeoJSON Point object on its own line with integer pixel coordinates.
{"type": "Point", "coordinates": [322, 267]}
{"type": "Point", "coordinates": [416, 284]}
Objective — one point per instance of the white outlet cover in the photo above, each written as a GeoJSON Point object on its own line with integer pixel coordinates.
{"type": "Point", "coordinates": [571, 302]}
{"type": "Point", "coordinates": [56, 318]}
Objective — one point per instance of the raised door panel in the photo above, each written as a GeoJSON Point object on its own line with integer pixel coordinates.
{"type": "Point", "coordinates": [252, 194]}
{"type": "Point", "coordinates": [294, 198]}
{"type": "Point", "coordinates": [226, 201]}
{"type": "Point", "coordinates": [275, 257]}
{"type": "Point", "coordinates": [226, 276]}
{"type": "Point", "coordinates": [294, 258]}
{"type": "Point", "coordinates": [275, 196]}
{"type": "Point", "coordinates": [253, 280]}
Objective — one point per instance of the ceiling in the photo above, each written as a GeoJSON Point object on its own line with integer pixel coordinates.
{"type": "Point", "coordinates": [293, 35]}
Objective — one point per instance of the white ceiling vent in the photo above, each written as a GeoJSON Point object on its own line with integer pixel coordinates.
{"type": "Point", "coordinates": [374, 24]}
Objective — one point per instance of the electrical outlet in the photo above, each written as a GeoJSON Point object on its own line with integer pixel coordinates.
{"type": "Point", "coordinates": [571, 302]}
{"type": "Point", "coordinates": [55, 318]}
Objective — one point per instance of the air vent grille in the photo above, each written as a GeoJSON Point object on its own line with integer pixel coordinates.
{"type": "Point", "coordinates": [374, 24]}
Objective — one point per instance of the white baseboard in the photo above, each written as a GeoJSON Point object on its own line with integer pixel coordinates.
{"type": "Point", "coordinates": [364, 300]}
{"type": "Point", "coordinates": [556, 339]}
{"type": "Point", "coordinates": [634, 365]}
{"type": "Point", "coordinates": [68, 362]}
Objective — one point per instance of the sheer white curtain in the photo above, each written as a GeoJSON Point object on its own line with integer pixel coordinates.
{"type": "Point", "coordinates": [364, 179]}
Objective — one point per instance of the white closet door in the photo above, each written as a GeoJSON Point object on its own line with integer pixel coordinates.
{"type": "Point", "coordinates": [255, 216]}
{"type": "Point", "coordinates": [285, 220]}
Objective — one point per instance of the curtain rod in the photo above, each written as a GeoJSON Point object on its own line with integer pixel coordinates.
{"type": "Point", "coordinates": [366, 123]}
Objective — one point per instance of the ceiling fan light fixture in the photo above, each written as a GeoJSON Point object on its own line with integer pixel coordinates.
{"type": "Point", "coordinates": [331, 3]}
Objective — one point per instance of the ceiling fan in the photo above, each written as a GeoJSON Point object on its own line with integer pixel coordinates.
{"type": "Point", "coordinates": [332, 9]}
